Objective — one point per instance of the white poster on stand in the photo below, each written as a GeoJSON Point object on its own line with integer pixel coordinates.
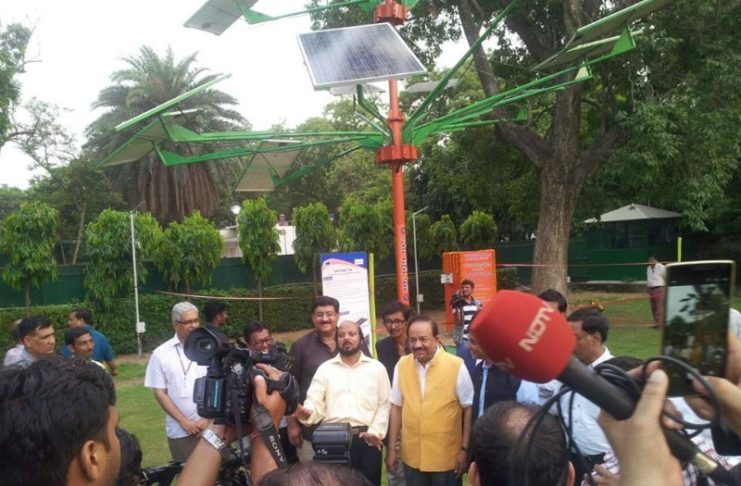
{"type": "Point", "coordinates": [345, 277]}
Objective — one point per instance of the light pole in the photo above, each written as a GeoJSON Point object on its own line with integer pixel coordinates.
{"type": "Point", "coordinates": [416, 267]}
{"type": "Point", "coordinates": [139, 324]}
{"type": "Point", "coordinates": [236, 209]}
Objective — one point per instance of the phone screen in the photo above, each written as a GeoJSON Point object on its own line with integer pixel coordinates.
{"type": "Point", "coordinates": [696, 320]}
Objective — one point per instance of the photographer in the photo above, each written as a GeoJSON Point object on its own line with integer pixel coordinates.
{"type": "Point", "coordinates": [259, 340]}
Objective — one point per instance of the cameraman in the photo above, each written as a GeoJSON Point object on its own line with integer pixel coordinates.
{"type": "Point", "coordinates": [202, 467]}
{"type": "Point", "coordinates": [465, 306]}
{"type": "Point", "coordinates": [259, 340]}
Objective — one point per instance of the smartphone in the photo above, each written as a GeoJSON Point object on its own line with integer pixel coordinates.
{"type": "Point", "coordinates": [696, 319]}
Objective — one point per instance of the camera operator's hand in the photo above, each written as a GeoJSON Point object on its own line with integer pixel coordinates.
{"type": "Point", "coordinates": [202, 467]}
{"type": "Point", "coordinates": [639, 442]}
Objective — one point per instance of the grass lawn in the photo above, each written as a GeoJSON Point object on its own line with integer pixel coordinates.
{"type": "Point", "coordinates": [630, 334]}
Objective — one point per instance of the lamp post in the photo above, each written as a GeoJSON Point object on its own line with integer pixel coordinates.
{"type": "Point", "coordinates": [236, 209]}
{"type": "Point", "coordinates": [416, 267]}
{"type": "Point", "coordinates": [139, 324]}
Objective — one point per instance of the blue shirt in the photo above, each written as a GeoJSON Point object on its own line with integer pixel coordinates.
{"type": "Point", "coordinates": [102, 350]}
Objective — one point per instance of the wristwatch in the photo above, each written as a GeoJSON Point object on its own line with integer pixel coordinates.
{"type": "Point", "coordinates": [212, 438]}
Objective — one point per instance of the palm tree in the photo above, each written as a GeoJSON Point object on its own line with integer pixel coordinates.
{"type": "Point", "coordinates": [169, 193]}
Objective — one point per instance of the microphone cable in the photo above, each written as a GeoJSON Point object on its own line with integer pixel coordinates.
{"type": "Point", "coordinates": [630, 385]}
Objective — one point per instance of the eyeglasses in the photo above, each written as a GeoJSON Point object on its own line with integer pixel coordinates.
{"type": "Point", "coordinates": [189, 322]}
{"type": "Point", "coordinates": [263, 342]}
{"type": "Point", "coordinates": [394, 322]}
{"type": "Point", "coordinates": [328, 315]}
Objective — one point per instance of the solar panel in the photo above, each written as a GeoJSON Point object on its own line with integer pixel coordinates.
{"type": "Point", "coordinates": [357, 55]}
{"type": "Point", "coordinates": [216, 16]}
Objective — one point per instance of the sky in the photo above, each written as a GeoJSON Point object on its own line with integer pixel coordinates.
{"type": "Point", "coordinates": [77, 44]}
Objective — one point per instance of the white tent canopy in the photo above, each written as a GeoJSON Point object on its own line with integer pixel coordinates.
{"type": "Point", "coordinates": [634, 212]}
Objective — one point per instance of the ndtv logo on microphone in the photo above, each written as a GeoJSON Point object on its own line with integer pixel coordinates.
{"type": "Point", "coordinates": [536, 329]}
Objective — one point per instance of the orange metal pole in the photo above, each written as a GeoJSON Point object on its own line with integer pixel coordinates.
{"type": "Point", "coordinates": [396, 120]}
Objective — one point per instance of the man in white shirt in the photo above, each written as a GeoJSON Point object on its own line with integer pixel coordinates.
{"type": "Point", "coordinates": [352, 388]}
{"type": "Point", "coordinates": [590, 329]}
{"type": "Point", "coordinates": [171, 375]}
{"type": "Point", "coordinates": [655, 283]}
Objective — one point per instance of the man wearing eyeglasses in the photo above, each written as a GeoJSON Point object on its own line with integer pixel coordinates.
{"type": "Point", "coordinates": [171, 375]}
{"type": "Point", "coordinates": [389, 350]}
{"type": "Point", "coordinates": [309, 352]}
{"type": "Point", "coordinates": [259, 340]}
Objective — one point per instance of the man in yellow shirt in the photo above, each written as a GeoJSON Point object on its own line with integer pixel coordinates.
{"type": "Point", "coordinates": [431, 403]}
{"type": "Point", "coordinates": [352, 388]}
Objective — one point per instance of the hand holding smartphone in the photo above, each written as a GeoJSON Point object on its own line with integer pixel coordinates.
{"type": "Point", "coordinates": [696, 320]}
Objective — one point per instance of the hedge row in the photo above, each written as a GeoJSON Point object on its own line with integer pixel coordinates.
{"type": "Point", "coordinates": [280, 315]}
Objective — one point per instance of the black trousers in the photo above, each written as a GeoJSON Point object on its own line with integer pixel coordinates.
{"type": "Point", "coordinates": [366, 459]}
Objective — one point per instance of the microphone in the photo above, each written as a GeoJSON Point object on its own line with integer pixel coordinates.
{"type": "Point", "coordinates": [535, 343]}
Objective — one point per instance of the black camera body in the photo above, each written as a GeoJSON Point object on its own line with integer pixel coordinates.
{"type": "Point", "coordinates": [225, 393]}
{"type": "Point", "coordinates": [332, 443]}
{"type": "Point", "coordinates": [457, 300]}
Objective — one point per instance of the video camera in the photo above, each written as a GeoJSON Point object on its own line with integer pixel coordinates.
{"type": "Point", "coordinates": [225, 392]}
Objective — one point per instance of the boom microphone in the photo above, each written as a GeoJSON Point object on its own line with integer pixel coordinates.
{"type": "Point", "coordinates": [534, 342]}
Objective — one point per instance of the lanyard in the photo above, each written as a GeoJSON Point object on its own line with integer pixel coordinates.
{"type": "Point", "coordinates": [182, 366]}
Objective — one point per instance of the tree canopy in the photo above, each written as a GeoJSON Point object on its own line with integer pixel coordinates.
{"type": "Point", "coordinates": [169, 193]}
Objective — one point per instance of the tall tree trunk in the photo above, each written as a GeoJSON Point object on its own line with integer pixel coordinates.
{"type": "Point", "coordinates": [80, 228]}
{"type": "Point", "coordinates": [563, 165]}
{"type": "Point", "coordinates": [259, 302]}
{"type": "Point", "coordinates": [557, 204]}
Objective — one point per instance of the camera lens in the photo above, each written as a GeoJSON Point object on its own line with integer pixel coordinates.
{"type": "Point", "coordinates": [205, 346]}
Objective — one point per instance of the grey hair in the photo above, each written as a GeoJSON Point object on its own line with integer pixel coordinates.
{"type": "Point", "coordinates": [181, 308]}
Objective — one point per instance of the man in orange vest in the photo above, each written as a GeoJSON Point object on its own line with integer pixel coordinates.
{"type": "Point", "coordinates": [431, 400]}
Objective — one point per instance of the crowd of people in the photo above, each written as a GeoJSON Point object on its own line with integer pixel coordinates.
{"type": "Point", "coordinates": [416, 412]}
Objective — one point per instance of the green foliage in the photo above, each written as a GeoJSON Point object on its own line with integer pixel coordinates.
{"type": "Point", "coordinates": [365, 227]}
{"type": "Point", "coordinates": [479, 231]}
{"type": "Point", "coordinates": [425, 243]}
{"type": "Point", "coordinates": [314, 235]}
{"type": "Point", "coordinates": [13, 43]}
{"type": "Point", "coordinates": [79, 192]}
{"type": "Point", "coordinates": [443, 235]}
{"type": "Point", "coordinates": [189, 252]}
{"type": "Point", "coordinates": [258, 238]}
{"type": "Point", "coordinates": [109, 275]}
{"type": "Point", "coordinates": [28, 239]}
{"type": "Point", "coordinates": [147, 80]}
{"type": "Point", "coordinates": [10, 200]}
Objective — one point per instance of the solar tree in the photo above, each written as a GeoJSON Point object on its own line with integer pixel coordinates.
{"type": "Point", "coordinates": [345, 60]}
